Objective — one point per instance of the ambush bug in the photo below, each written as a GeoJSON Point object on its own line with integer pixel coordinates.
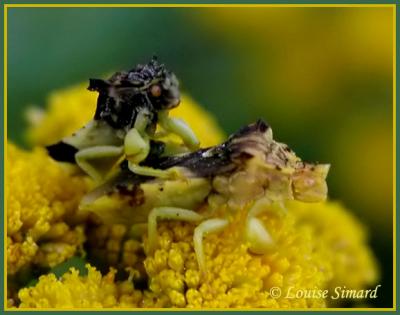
{"type": "Point", "coordinates": [130, 105]}
{"type": "Point", "coordinates": [250, 167]}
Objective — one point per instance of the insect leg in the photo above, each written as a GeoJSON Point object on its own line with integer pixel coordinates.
{"type": "Point", "coordinates": [258, 236]}
{"type": "Point", "coordinates": [167, 213]}
{"type": "Point", "coordinates": [180, 128]}
{"type": "Point", "coordinates": [208, 226]}
{"type": "Point", "coordinates": [256, 233]}
{"type": "Point", "coordinates": [136, 147]}
{"type": "Point", "coordinates": [171, 173]}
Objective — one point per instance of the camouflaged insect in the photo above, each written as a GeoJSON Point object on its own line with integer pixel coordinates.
{"type": "Point", "coordinates": [250, 167]}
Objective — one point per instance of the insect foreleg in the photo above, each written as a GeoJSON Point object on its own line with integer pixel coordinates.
{"type": "Point", "coordinates": [180, 128]}
{"type": "Point", "coordinates": [136, 146]}
{"type": "Point", "coordinates": [260, 240]}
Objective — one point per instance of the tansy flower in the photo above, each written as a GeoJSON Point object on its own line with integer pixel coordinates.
{"type": "Point", "coordinates": [110, 245]}
{"type": "Point", "coordinates": [41, 197]}
{"type": "Point", "coordinates": [314, 246]}
{"type": "Point", "coordinates": [234, 277]}
{"type": "Point", "coordinates": [74, 291]}
{"type": "Point", "coordinates": [299, 261]}
{"type": "Point", "coordinates": [353, 263]}
{"type": "Point", "coordinates": [308, 254]}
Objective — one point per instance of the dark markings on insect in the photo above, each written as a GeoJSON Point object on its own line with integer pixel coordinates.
{"type": "Point", "coordinates": [62, 152]}
{"type": "Point", "coordinates": [134, 192]}
{"type": "Point", "coordinates": [208, 162]}
{"type": "Point", "coordinates": [219, 159]}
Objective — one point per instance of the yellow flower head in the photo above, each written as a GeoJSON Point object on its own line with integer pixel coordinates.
{"type": "Point", "coordinates": [304, 257]}
{"type": "Point", "coordinates": [313, 246]}
{"type": "Point", "coordinates": [41, 196]}
{"type": "Point", "coordinates": [338, 235]}
{"type": "Point", "coordinates": [75, 291]}
{"type": "Point", "coordinates": [235, 277]}
{"type": "Point", "coordinates": [110, 245]}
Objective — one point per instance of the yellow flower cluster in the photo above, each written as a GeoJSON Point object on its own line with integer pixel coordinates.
{"type": "Point", "coordinates": [338, 234]}
{"type": "Point", "coordinates": [67, 111]}
{"type": "Point", "coordinates": [317, 246]}
{"type": "Point", "coordinates": [307, 255]}
{"type": "Point", "coordinates": [74, 291]}
{"type": "Point", "coordinates": [234, 276]}
{"type": "Point", "coordinates": [110, 245]}
{"type": "Point", "coordinates": [41, 196]}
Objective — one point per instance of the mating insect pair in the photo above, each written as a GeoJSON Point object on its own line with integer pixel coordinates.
{"type": "Point", "coordinates": [142, 180]}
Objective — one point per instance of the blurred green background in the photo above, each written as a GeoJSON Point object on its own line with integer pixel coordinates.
{"type": "Point", "coordinates": [322, 77]}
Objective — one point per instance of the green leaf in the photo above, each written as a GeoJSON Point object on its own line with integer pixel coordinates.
{"type": "Point", "coordinates": [74, 262]}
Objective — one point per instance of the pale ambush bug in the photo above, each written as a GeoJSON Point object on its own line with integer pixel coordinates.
{"type": "Point", "coordinates": [130, 106]}
{"type": "Point", "coordinates": [249, 168]}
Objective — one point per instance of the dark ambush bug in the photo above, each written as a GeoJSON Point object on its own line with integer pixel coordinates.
{"type": "Point", "coordinates": [130, 105]}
